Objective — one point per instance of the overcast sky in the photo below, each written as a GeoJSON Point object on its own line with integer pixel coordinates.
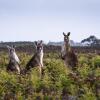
{"type": "Point", "coordinates": [29, 20]}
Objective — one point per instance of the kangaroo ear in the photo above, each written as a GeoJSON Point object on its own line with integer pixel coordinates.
{"type": "Point", "coordinates": [41, 42]}
{"type": "Point", "coordinates": [13, 46]}
{"type": "Point", "coordinates": [68, 34]}
{"type": "Point", "coordinates": [36, 43]}
{"type": "Point", "coordinates": [64, 34]}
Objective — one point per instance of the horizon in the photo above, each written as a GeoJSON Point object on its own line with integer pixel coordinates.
{"type": "Point", "coordinates": [32, 20]}
{"type": "Point", "coordinates": [48, 41]}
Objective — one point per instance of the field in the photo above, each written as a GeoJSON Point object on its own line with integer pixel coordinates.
{"type": "Point", "coordinates": [58, 82]}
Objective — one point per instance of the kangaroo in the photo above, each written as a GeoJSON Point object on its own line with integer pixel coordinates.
{"type": "Point", "coordinates": [67, 54]}
{"type": "Point", "coordinates": [13, 60]}
{"type": "Point", "coordinates": [37, 59]}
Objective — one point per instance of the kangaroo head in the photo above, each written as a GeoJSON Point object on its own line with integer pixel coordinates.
{"type": "Point", "coordinates": [38, 46]}
{"type": "Point", "coordinates": [66, 37]}
{"type": "Point", "coordinates": [11, 49]}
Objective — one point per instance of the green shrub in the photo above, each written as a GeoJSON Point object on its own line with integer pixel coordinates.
{"type": "Point", "coordinates": [96, 62]}
{"type": "Point", "coordinates": [55, 81]}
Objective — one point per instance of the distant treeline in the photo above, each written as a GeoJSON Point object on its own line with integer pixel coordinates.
{"type": "Point", "coordinates": [29, 48]}
{"type": "Point", "coordinates": [22, 43]}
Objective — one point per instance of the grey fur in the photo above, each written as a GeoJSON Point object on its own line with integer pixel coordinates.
{"type": "Point", "coordinates": [37, 59]}
{"type": "Point", "coordinates": [13, 60]}
{"type": "Point", "coordinates": [67, 53]}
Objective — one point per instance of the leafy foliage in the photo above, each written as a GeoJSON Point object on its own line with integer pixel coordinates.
{"type": "Point", "coordinates": [58, 82]}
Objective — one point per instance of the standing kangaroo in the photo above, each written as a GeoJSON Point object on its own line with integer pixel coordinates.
{"type": "Point", "coordinates": [67, 53]}
{"type": "Point", "coordinates": [37, 59]}
{"type": "Point", "coordinates": [13, 60]}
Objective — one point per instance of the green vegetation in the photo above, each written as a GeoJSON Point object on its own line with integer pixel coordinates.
{"type": "Point", "coordinates": [57, 83]}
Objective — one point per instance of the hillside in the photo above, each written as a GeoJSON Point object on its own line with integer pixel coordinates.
{"type": "Point", "coordinates": [72, 43]}
{"type": "Point", "coordinates": [18, 43]}
{"type": "Point", "coordinates": [91, 41]}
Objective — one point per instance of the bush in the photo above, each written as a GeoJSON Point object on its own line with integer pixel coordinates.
{"type": "Point", "coordinates": [57, 80]}
{"type": "Point", "coordinates": [96, 62]}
